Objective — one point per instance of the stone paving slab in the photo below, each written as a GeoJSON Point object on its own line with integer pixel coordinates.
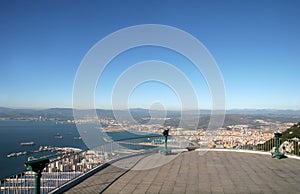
{"type": "Point", "coordinates": [192, 172]}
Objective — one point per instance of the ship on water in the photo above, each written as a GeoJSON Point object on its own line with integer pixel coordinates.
{"type": "Point", "coordinates": [30, 143]}
{"type": "Point", "coordinates": [58, 136]}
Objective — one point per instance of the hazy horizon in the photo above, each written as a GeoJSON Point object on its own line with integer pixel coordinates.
{"type": "Point", "coordinates": [99, 108]}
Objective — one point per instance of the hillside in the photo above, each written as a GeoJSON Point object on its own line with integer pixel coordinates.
{"type": "Point", "coordinates": [290, 133]}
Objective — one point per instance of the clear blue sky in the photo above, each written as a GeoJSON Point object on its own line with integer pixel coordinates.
{"type": "Point", "coordinates": [255, 43]}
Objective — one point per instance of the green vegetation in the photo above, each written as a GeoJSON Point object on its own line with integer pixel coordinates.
{"type": "Point", "coordinates": [292, 132]}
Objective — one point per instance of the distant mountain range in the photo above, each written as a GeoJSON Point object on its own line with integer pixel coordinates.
{"type": "Point", "coordinates": [143, 116]}
{"type": "Point", "coordinates": [264, 111]}
{"type": "Point", "coordinates": [136, 112]}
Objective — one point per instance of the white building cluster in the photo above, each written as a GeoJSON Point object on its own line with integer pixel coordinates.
{"type": "Point", "coordinates": [81, 162]}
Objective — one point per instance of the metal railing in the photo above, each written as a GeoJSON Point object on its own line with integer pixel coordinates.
{"type": "Point", "coordinates": [70, 166]}
{"type": "Point", "coordinates": [287, 146]}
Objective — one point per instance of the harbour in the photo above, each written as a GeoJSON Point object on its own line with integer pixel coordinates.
{"type": "Point", "coordinates": [56, 150]}
{"type": "Point", "coordinates": [42, 134]}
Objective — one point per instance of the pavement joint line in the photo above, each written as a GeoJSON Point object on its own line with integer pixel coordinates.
{"type": "Point", "coordinates": [242, 151]}
{"type": "Point", "coordinates": [123, 173]}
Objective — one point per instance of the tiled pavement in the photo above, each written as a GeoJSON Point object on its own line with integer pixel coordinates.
{"type": "Point", "coordinates": [195, 172]}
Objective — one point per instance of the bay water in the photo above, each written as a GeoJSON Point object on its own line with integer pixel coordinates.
{"type": "Point", "coordinates": [42, 133]}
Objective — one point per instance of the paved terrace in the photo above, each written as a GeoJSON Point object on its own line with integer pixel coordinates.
{"type": "Point", "coordinates": [196, 172]}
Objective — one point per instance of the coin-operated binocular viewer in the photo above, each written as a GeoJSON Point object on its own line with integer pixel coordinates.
{"type": "Point", "coordinates": [277, 153]}
{"type": "Point", "coordinates": [165, 151]}
{"type": "Point", "coordinates": [37, 167]}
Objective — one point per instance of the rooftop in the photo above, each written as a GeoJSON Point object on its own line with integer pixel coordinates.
{"type": "Point", "coordinates": [196, 172]}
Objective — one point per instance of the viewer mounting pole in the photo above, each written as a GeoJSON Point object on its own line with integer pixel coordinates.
{"type": "Point", "coordinates": [37, 167]}
{"type": "Point", "coordinates": [165, 151]}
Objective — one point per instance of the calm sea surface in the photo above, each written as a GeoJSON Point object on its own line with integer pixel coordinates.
{"type": "Point", "coordinates": [12, 133]}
